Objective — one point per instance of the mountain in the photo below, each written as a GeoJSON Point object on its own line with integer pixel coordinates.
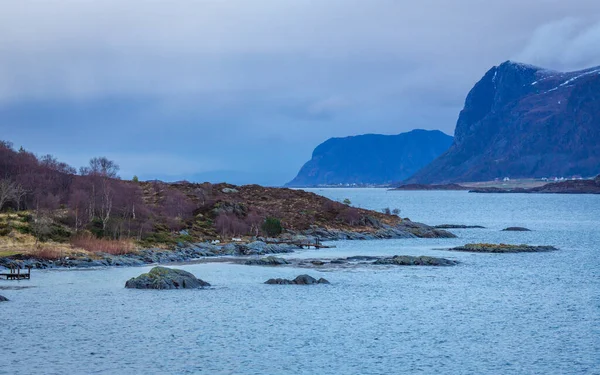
{"type": "Point", "coordinates": [371, 158]}
{"type": "Point", "coordinates": [524, 121]}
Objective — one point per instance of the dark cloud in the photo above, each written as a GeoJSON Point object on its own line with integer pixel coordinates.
{"type": "Point", "coordinates": [210, 88]}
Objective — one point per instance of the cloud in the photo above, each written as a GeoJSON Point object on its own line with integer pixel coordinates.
{"type": "Point", "coordinates": [243, 85]}
{"type": "Point", "coordinates": [566, 44]}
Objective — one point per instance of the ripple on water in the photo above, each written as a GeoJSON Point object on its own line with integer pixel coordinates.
{"type": "Point", "coordinates": [534, 313]}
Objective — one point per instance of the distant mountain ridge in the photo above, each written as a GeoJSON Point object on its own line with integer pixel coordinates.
{"type": "Point", "coordinates": [523, 121]}
{"type": "Point", "coordinates": [371, 158]}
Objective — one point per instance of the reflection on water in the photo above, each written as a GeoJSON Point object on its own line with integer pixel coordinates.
{"type": "Point", "coordinates": [534, 313]}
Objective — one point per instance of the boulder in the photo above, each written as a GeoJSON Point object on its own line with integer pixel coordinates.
{"type": "Point", "coordinates": [516, 229]}
{"type": "Point", "coordinates": [407, 260]}
{"type": "Point", "coordinates": [165, 278]}
{"type": "Point", "coordinates": [267, 261]}
{"type": "Point", "coordinates": [3, 299]}
{"type": "Point", "coordinates": [299, 280]}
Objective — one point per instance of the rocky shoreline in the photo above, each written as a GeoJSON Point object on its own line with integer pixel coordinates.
{"type": "Point", "coordinates": [185, 252]}
{"type": "Point", "coordinates": [350, 262]}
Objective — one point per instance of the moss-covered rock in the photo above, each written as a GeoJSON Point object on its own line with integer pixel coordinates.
{"type": "Point", "coordinates": [166, 278]}
{"type": "Point", "coordinates": [502, 248]}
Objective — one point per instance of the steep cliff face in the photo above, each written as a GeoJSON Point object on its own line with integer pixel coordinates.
{"type": "Point", "coordinates": [523, 121]}
{"type": "Point", "coordinates": [371, 158]}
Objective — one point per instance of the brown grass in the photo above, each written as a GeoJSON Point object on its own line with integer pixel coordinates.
{"type": "Point", "coordinates": [101, 245]}
{"type": "Point", "coordinates": [47, 252]}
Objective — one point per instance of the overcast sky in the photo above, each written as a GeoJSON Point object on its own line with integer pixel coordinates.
{"type": "Point", "coordinates": [243, 90]}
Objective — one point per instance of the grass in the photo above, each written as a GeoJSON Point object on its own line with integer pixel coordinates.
{"type": "Point", "coordinates": [93, 244]}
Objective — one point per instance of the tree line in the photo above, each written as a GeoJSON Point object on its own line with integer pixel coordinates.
{"type": "Point", "coordinates": [93, 198]}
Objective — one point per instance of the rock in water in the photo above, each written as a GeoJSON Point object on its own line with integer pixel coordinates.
{"type": "Point", "coordinates": [457, 226]}
{"type": "Point", "coordinates": [516, 229]}
{"type": "Point", "coordinates": [3, 299]}
{"type": "Point", "coordinates": [502, 248]}
{"type": "Point", "coordinates": [165, 278]}
{"type": "Point", "coordinates": [408, 260]}
{"type": "Point", "coordinates": [299, 280]}
{"type": "Point", "coordinates": [267, 261]}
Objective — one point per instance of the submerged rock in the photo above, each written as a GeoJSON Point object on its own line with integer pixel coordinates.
{"type": "Point", "coordinates": [407, 260]}
{"type": "Point", "coordinates": [3, 299]}
{"type": "Point", "coordinates": [267, 261]}
{"type": "Point", "coordinates": [299, 280]}
{"type": "Point", "coordinates": [516, 229]}
{"type": "Point", "coordinates": [502, 248]}
{"type": "Point", "coordinates": [165, 278]}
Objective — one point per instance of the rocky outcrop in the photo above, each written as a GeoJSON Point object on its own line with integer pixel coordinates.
{"type": "Point", "coordinates": [360, 261]}
{"type": "Point", "coordinates": [516, 229]}
{"type": "Point", "coordinates": [502, 248]}
{"type": "Point", "coordinates": [372, 158]}
{"type": "Point", "coordinates": [166, 278]}
{"type": "Point", "coordinates": [3, 299]}
{"type": "Point", "coordinates": [299, 280]}
{"type": "Point", "coordinates": [405, 229]}
{"type": "Point", "coordinates": [522, 121]}
{"type": "Point", "coordinates": [407, 260]}
{"type": "Point", "coordinates": [268, 261]}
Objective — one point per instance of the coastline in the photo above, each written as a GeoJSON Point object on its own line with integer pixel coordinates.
{"type": "Point", "coordinates": [189, 252]}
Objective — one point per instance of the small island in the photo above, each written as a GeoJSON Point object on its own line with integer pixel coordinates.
{"type": "Point", "coordinates": [502, 248]}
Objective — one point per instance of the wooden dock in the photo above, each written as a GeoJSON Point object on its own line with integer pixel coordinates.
{"type": "Point", "coordinates": [15, 274]}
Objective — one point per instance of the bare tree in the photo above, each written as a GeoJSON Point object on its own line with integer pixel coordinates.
{"type": "Point", "coordinates": [103, 167]}
{"type": "Point", "coordinates": [7, 192]}
{"type": "Point", "coordinates": [19, 195]}
{"type": "Point", "coordinates": [101, 173]}
{"type": "Point", "coordinates": [41, 226]}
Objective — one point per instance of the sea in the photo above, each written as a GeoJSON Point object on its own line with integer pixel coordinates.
{"type": "Point", "coordinates": [524, 313]}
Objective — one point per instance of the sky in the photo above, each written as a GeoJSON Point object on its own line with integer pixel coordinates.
{"type": "Point", "coordinates": [243, 91]}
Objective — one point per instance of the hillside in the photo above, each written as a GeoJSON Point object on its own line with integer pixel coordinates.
{"type": "Point", "coordinates": [371, 158]}
{"type": "Point", "coordinates": [49, 207]}
{"type": "Point", "coordinates": [522, 121]}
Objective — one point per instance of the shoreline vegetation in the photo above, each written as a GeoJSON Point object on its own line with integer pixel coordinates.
{"type": "Point", "coordinates": [52, 215]}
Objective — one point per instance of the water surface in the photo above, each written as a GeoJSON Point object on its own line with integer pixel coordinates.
{"type": "Point", "coordinates": [534, 313]}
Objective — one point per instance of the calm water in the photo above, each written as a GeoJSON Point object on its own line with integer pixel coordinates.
{"type": "Point", "coordinates": [493, 314]}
